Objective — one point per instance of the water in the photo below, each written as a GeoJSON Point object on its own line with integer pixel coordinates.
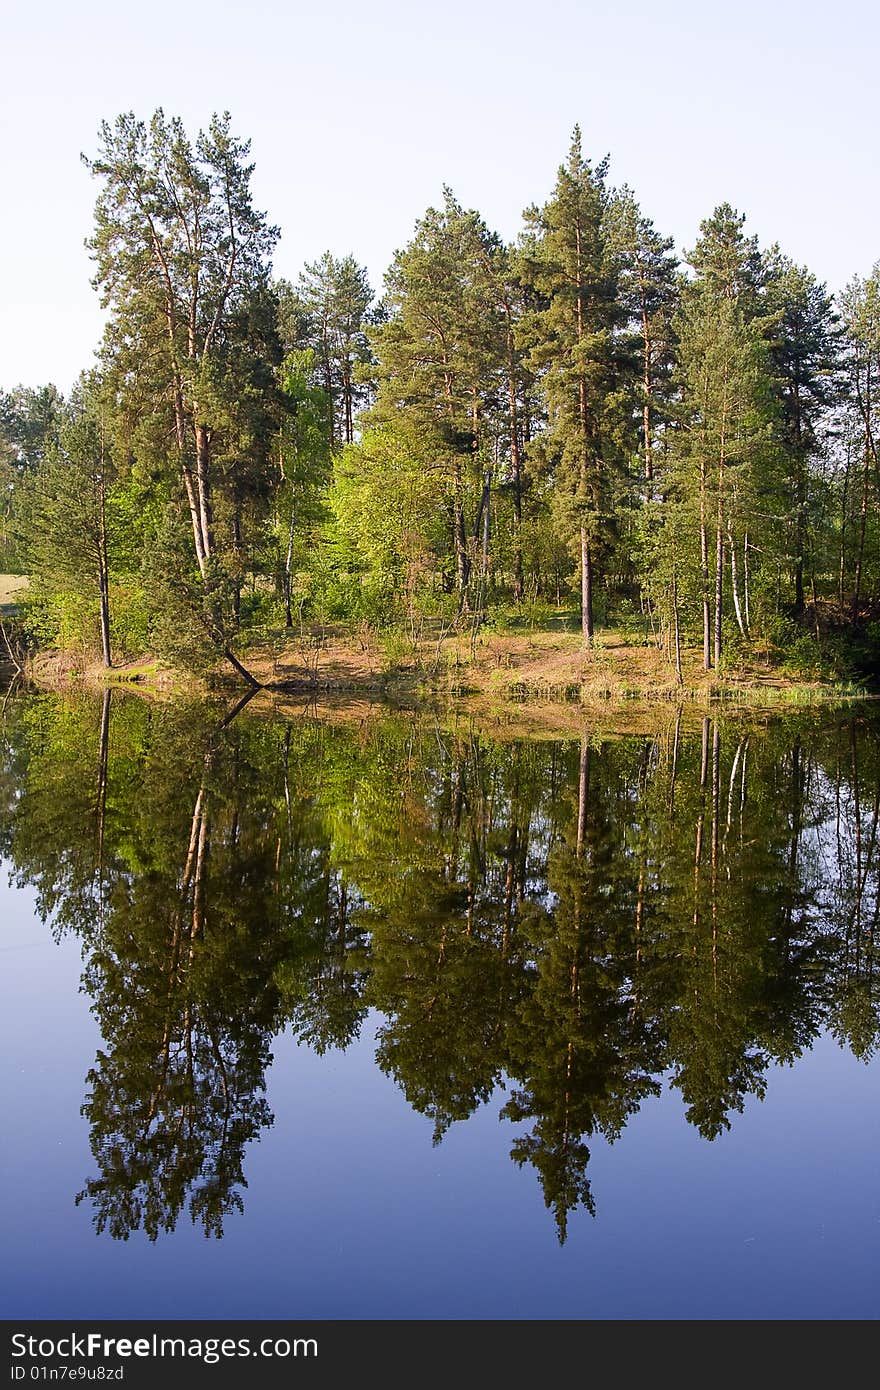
{"type": "Point", "coordinates": [379, 1016]}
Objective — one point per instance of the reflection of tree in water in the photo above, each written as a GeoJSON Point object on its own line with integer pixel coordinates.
{"type": "Point", "coordinates": [574, 921]}
{"type": "Point", "coordinates": [447, 965]}
{"type": "Point", "coordinates": [581, 1045]}
{"type": "Point", "coordinates": [202, 915]}
{"type": "Point", "coordinates": [187, 1011]}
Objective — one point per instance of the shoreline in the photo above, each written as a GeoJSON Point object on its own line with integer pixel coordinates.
{"type": "Point", "coordinates": [533, 674]}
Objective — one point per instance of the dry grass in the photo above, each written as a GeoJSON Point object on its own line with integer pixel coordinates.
{"type": "Point", "coordinates": [542, 679]}
{"type": "Point", "coordinates": [522, 681]}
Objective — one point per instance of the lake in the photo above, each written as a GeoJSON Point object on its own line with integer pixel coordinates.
{"type": "Point", "coordinates": [379, 1014]}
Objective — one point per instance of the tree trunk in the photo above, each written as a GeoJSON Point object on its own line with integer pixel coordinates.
{"type": "Point", "coordinates": [704, 569]}
{"type": "Point", "coordinates": [719, 540]}
{"type": "Point", "coordinates": [800, 505]}
{"type": "Point", "coordinates": [719, 583]}
{"type": "Point", "coordinates": [646, 382]}
{"type": "Point", "coordinates": [860, 551]}
{"type": "Point", "coordinates": [242, 671]}
{"type": "Point", "coordinates": [105, 621]}
{"type": "Point", "coordinates": [676, 627]}
{"type": "Point", "coordinates": [516, 468]}
{"type": "Point", "coordinates": [864, 401]}
{"type": "Point", "coordinates": [586, 589]}
{"type": "Point", "coordinates": [203, 490]}
{"type": "Point", "coordinates": [288, 563]}
{"type": "Point", "coordinates": [347, 397]}
{"type": "Point", "coordinates": [484, 559]}
{"type": "Point", "coordinates": [734, 584]}
{"type": "Point", "coordinates": [236, 548]}
{"type": "Point", "coordinates": [103, 569]}
{"type": "Point", "coordinates": [462, 559]}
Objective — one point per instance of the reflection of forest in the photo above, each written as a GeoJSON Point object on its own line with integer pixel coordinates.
{"type": "Point", "coordinates": [577, 918]}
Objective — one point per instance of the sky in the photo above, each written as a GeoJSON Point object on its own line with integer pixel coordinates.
{"type": "Point", "coordinates": [359, 113]}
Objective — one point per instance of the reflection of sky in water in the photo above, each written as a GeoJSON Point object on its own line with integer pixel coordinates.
{"type": "Point", "coordinates": [350, 1212]}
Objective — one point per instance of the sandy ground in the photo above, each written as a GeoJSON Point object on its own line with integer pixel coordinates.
{"type": "Point", "coordinates": [11, 587]}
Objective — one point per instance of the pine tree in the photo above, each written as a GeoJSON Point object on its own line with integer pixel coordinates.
{"type": "Point", "coordinates": [329, 312]}
{"type": "Point", "coordinates": [441, 358]}
{"type": "Point", "coordinates": [725, 453]}
{"type": "Point", "coordinates": [29, 420]}
{"type": "Point", "coordinates": [182, 258]}
{"type": "Point", "coordinates": [806, 359]}
{"type": "Point", "coordinates": [648, 289]}
{"type": "Point", "coordinates": [572, 344]}
{"type": "Point", "coordinates": [66, 513]}
{"type": "Point", "coordinates": [860, 311]}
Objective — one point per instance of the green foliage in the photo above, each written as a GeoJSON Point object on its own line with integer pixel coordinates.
{"type": "Point", "coordinates": [29, 422]}
{"type": "Point", "coordinates": [566, 415]}
{"type": "Point", "coordinates": [327, 315]}
{"type": "Point", "coordinates": [388, 506]}
{"type": "Point", "coordinates": [192, 347]}
{"type": "Point", "coordinates": [575, 344]}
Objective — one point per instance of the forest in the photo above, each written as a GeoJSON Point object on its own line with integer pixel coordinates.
{"type": "Point", "coordinates": [579, 422]}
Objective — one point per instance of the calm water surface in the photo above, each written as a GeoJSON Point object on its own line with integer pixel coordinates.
{"type": "Point", "coordinates": [385, 1017]}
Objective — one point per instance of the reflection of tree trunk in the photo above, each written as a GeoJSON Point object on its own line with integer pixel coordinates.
{"type": "Point", "coordinates": [640, 914]}
{"type": "Point", "coordinates": [864, 853]}
{"type": "Point", "coordinates": [698, 846]}
{"type": "Point", "coordinates": [101, 791]}
{"type": "Point", "coordinates": [509, 886]}
{"type": "Point", "coordinates": [716, 796]}
{"type": "Point", "coordinates": [716, 791]}
{"type": "Point", "coordinates": [239, 705]}
{"type": "Point", "coordinates": [193, 883]}
{"type": "Point", "coordinates": [797, 789]}
{"type": "Point", "coordinates": [189, 891]}
{"type": "Point", "coordinates": [857, 830]}
{"type": "Point", "coordinates": [730, 786]}
{"type": "Point", "coordinates": [583, 790]}
{"type": "Point", "coordinates": [287, 806]}
{"type": "Point", "coordinates": [698, 862]}
{"type": "Point", "coordinates": [674, 761]}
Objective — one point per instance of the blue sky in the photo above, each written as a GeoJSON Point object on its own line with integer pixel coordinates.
{"type": "Point", "coordinates": [359, 113]}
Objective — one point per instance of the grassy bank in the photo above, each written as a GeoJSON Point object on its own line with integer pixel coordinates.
{"type": "Point", "coordinates": [539, 669]}
{"type": "Point", "coordinates": [542, 666]}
